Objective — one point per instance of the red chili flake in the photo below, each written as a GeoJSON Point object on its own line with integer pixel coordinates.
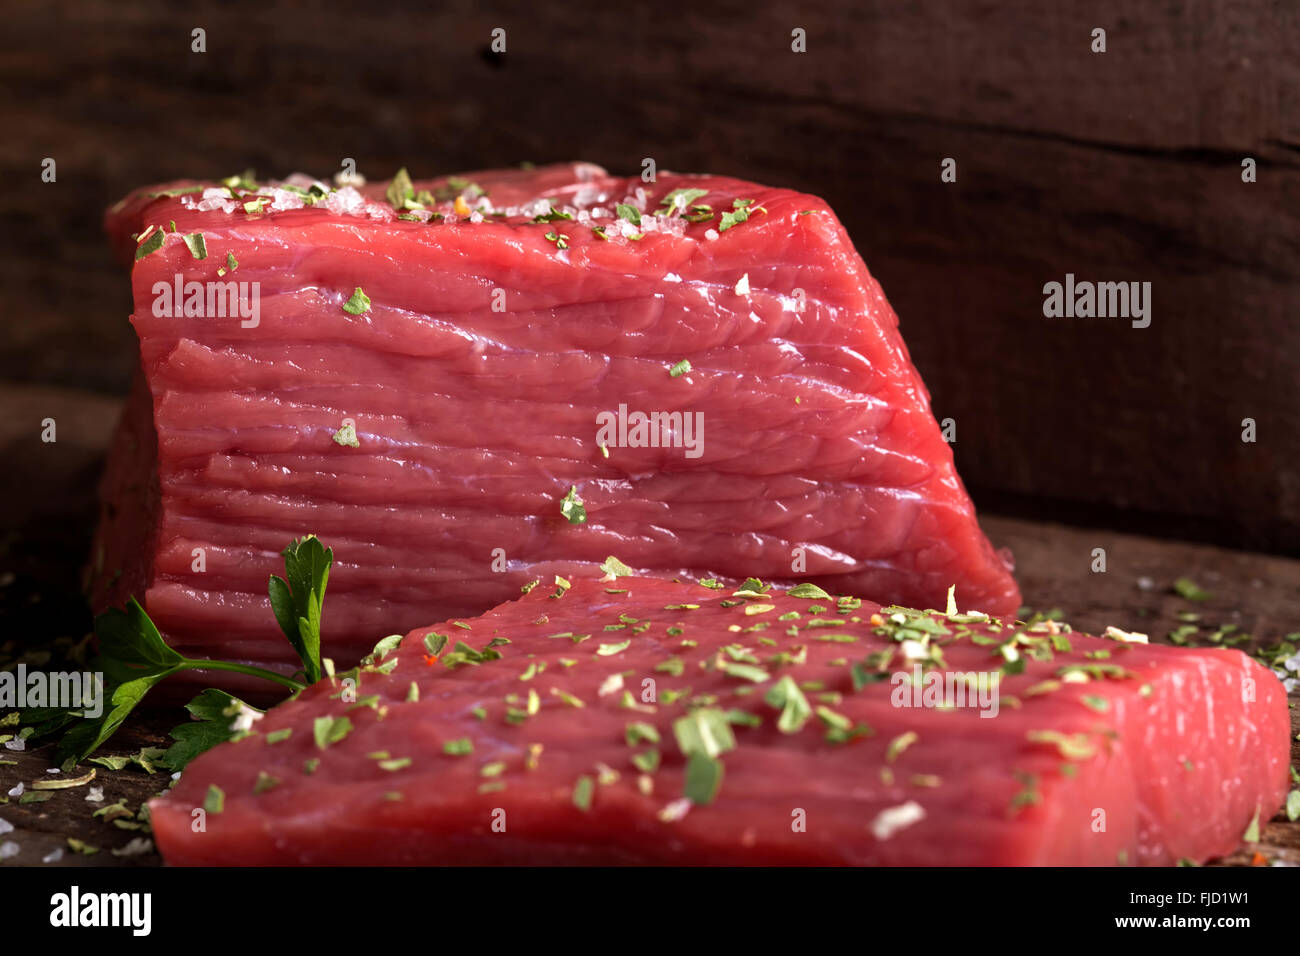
{"type": "Point", "coordinates": [1259, 859]}
{"type": "Point", "coordinates": [430, 660]}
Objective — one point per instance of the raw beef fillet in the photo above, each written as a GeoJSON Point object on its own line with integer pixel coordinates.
{"type": "Point", "coordinates": [557, 729]}
{"type": "Point", "coordinates": [431, 426]}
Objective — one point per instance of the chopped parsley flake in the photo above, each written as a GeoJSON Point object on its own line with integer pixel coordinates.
{"type": "Point", "coordinates": [152, 243]}
{"type": "Point", "coordinates": [703, 778]}
{"type": "Point", "coordinates": [704, 730]}
{"type": "Point", "coordinates": [571, 507]}
{"type": "Point", "coordinates": [330, 730]}
{"type": "Point", "coordinates": [807, 590]}
{"type": "Point", "coordinates": [638, 731]}
{"type": "Point", "coordinates": [359, 303]}
{"type": "Point", "coordinates": [215, 801]}
{"type": "Point", "coordinates": [583, 791]}
{"type": "Point", "coordinates": [740, 210]}
{"type": "Point", "coordinates": [794, 706]}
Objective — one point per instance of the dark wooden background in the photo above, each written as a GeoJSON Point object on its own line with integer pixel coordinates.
{"type": "Point", "coordinates": [1115, 166]}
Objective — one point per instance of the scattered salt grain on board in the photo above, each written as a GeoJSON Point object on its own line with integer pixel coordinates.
{"type": "Point", "coordinates": [888, 822]}
{"type": "Point", "coordinates": [95, 795]}
{"type": "Point", "coordinates": [6, 826]}
{"type": "Point", "coordinates": [54, 856]}
{"type": "Point", "coordinates": [137, 847]}
{"type": "Point", "coordinates": [17, 791]}
{"type": "Point", "coordinates": [8, 849]}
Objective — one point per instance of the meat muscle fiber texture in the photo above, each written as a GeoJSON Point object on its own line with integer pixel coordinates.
{"type": "Point", "coordinates": [472, 374]}
{"type": "Point", "coordinates": [555, 729]}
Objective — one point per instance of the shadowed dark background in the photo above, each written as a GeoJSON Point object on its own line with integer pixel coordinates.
{"type": "Point", "coordinates": [1116, 166]}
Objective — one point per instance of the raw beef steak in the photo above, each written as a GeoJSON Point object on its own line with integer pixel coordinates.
{"type": "Point", "coordinates": [450, 396]}
{"type": "Point", "coordinates": [639, 720]}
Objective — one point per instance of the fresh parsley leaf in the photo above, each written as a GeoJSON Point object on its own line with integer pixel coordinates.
{"type": "Point", "coordinates": [214, 712]}
{"type": "Point", "coordinates": [296, 599]}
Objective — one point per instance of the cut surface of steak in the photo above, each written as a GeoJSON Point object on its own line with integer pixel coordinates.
{"type": "Point", "coordinates": [556, 729]}
{"type": "Point", "coordinates": [478, 370]}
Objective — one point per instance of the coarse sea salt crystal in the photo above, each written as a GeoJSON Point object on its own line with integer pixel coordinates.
{"type": "Point", "coordinates": [711, 234]}
{"type": "Point", "coordinates": [674, 225]}
{"type": "Point", "coordinates": [285, 199]}
{"type": "Point", "coordinates": [54, 856]}
{"type": "Point", "coordinates": [742, 286]}
{"type": "Point", "coordinates": [9, 849]}
{"type": "Point", "coordinates": [538, 207]}
{"type": "Point", "coordinates": [345, 201]}
{"type": "Point", "coordinates": [17, 790]}
{"type": "Point", "coordinates": [612, 685]}
{"type": "Point", "coordinates": [216, 198]}
{"type": "Point", "coordinates": [5, 826]}
{"type": "Point", "coordinates": [676, 810]}
{"type": "Point", "coordinates": [890, 821]}
{"type": "Point", "coordinates": [95, 795]}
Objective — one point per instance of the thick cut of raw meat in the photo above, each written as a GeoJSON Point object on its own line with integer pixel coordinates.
{"type": "Point", "coordinates": [1096, 752]}
{"type": "Point", "coordinates": [475, 377]}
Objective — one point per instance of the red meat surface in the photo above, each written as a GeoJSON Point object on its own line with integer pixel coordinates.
{"type": "Point", "coordinates": [1100, 752]}
{"type": "Point", "coordinates": [475, 379]}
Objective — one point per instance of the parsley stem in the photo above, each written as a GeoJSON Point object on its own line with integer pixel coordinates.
{"type": "Point", "coordinates": [210, 665]}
